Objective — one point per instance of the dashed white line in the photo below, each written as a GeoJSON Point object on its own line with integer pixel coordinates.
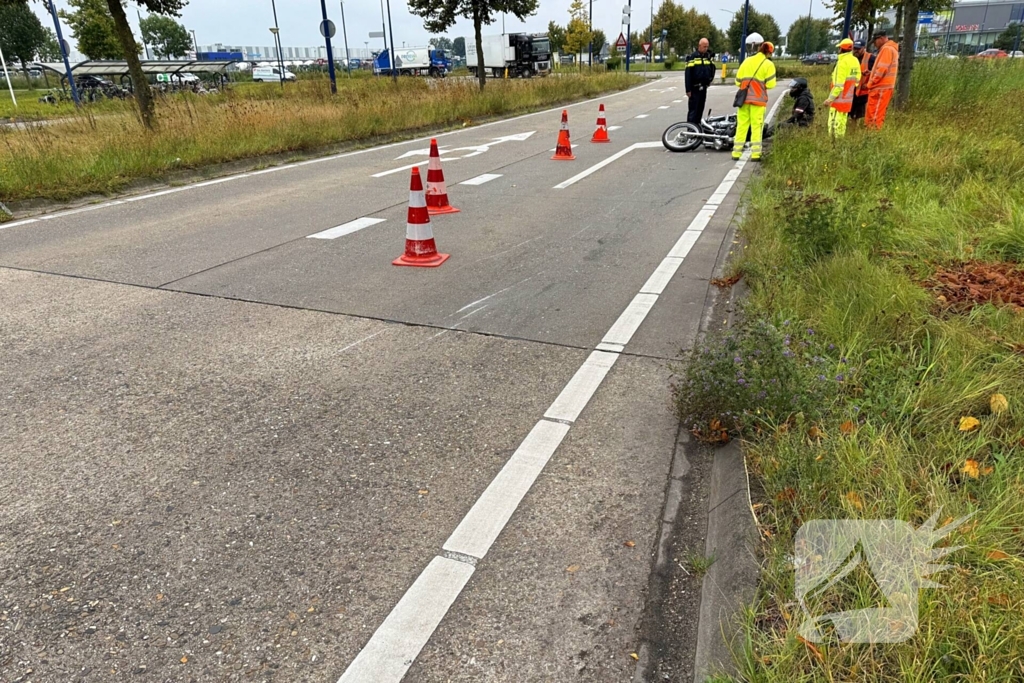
{"type": "Point", "coordinates": [345, 229]}
{"type": "Point", "coordinates": [631, 319]}
{"type": "Point", "coordinates": [677, 101]}
{"type": "Point", "coordinates": [641, 116]}
{"type": "Point", "coordinates": [660, 278]}
{"type": "Point", "coordinates": [601, 164]}
{"type": "Point", "coordinates": [664, 106]}
{"type": "Point", "coordinates": [614, 128]}
{"type": "Point", "coordinates": [481, 179]}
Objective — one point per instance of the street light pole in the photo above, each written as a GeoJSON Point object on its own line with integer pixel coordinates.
{"type": "Point", "coordinates": [629, 34]}
{"type": "Point", "coordinates": [590, 43]}
{"type": "Point", "coordinates": [807, 35]}
{"type": "Point", "coordinates": [277, 38]}
{"type": "Point", "coordinates": [344, 34]}
{"type": "Point", "coordinates": [330, 50]}
{"type": "Point", "coordinates": [195, 43]}
{"type": "Point", "coordinates": [848, 17]}
{"type": "Point", "coordinates": [144, 44]}
{"type": "Point", "coordinates": [391, 31]}
{"type": "Point", "coordinates": [64, 53]}
{"type": "Point", "coordinates": [743, 43]}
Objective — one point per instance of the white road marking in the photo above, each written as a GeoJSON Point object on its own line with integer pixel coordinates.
{"type": "Point", "coordinates": [480, 527]}
{"type": "Point", "coordinates": [641, 116]}
{"type": "Point", "coordinates": [345, 229]}
{"type": "Point", "coordinates": [601, 164]}
{"type": "Point", "coordinates": [14, 224]}
{"type": "Point", "coordinates": [611, 128]}
{"type": "Point", "coordinates": [51, 216]}
{"type": "Point", "coordinates": [664, 106]}
{"type": "Point", "coordinates": [399, 170]}
{"type": "Point", "coordinates": [580, 389]}
{"type": "Point", "coordinates": [395, 645]}
{"type": "Point", "coordinates": [364, 339]}
{"type": "Point", "coordinates": [684, 244]}
{"type": "Point", "coordinates": [481, 179]}
{"type": "Point", "coordinates": [630, 319]}
{"type": "Point", "coordinates": [677, 101]}
{"type": "Point", "coordinates": [660, 278]}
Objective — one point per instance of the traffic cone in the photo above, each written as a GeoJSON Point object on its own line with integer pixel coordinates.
{"type": "Point", "coordinates": [601, 134]}
{"type": "Point", "coordinates": [420, 249]}
{"type": "Point", "coordinates": [563, 150]}
{"type": "Point", "coordinates": [437, 193]}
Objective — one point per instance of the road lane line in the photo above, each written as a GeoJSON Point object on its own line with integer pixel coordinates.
{"type": "Point", "coordinates": [601, 164]}
{"type": "Point", "coordinates": [580, 389]}
{"type": "Point", "coordinates": [14, 224]}
{"type": "Point", "coordinates": [395, 645]}
{"type": "Point", "coordinates": [613, 128]}
{"type": "Point", "coordinates": [664, 106]}
{"type": "Point", "coordinates": [677, 101]}
{"type": "Point", "coordinates": [641, 116]}
{"type": "Point", "coordinates": [480, 527]}
{"type": "Point", "coordinates": [684, 244]}
{"type": "Point", "coordinates": [399, 170]}
{"type": "Point", "coordinates": [481, 179]}
{"type": "Point", "coordinates": [660, 278]}
{"type": "Point", "coordinates": [345, 229]}
{"type": "Point", "coordinates": [631, 319]}
{"type": "Point", "coordinates": [83, 209]}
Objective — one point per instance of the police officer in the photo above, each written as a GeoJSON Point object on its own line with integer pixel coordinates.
{"type": "Point", "coordinates": [700, 73]}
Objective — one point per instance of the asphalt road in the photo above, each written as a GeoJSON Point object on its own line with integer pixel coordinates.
{"type": "Point", "coordinates": [229, 450]}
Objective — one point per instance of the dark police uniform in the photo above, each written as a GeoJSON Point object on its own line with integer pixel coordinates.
{"type": "Point", "coordinates": [700, 73]}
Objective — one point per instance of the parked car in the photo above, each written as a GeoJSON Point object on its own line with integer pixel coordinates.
{"type": "Point", "coordinates": [271, 73]}
{"type": "Point", "coordinates": [817, 58]}
{"type": "Point", "coordinates": [991, 54]}
{"type": "Point", "coordinates": [93, 82]}
{"type": "Point", "coordinates": [1016, 54]}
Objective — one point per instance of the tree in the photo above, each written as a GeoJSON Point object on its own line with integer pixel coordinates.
{"type": "Point", "coordinates": [758, 22]}
{"type": "Point", "coordinates": [908, 46]}
{"type": "Point", "coordinates": [21, 34]}
{"type": "Point", "coordinates": [866, 14]}
{"type": "Point", "coordinates": [556, 36]}
{"type": "Point", "coordinates": [459, 47]}
{"type": "Point", "coordinates": [49, 51]}
{"type": "Point", "coordinates": [1008, 39]}
{"type": "Point", "coordinates": [808, 36]}
{"type": "Point", "coordinates": [444, 43]}
{"type": "Point", "coordinates": [598, 40]}
{"type": "Point", "coordinates": [93, 28]}
{"type": "Point", "coordinates": [440, 15]}
{"type": "Point", "coordinates": [577, 33]}
{"type": "Point", "coordinates": [167, 37]}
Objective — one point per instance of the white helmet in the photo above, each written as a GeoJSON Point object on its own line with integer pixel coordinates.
{"type": "Point", "coordinates": [755, 38]}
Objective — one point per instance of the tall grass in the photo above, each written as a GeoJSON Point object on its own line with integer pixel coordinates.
{"type": "Point", "coordinates": [945, 178]}
{"type": "Point", "coordinates": [103, 153]}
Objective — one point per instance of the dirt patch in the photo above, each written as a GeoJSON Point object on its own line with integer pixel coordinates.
{"type": "Point", "coordinates": [971, 284]}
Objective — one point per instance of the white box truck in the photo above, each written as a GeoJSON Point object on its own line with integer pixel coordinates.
{"type": "Point", "coordinates": [522, 55]}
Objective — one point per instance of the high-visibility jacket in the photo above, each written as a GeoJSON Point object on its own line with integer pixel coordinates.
{"type": "Point", "coordinates": [866, 62]}
{"type": "Point", "coordinates": [757, 74]}
{"type": "Point", "coordinates": [845, 77]}
{"type": "Point", "coordinates": [883, 75]}
{"type": "Point", "coordinates": [700, 70]}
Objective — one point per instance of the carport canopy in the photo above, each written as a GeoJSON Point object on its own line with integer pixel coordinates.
{"type": "Point", "coordinates": [95, 67]}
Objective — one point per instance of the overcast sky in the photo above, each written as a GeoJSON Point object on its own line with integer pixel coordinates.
{"type": "Point", "coordinates": [246, 22]}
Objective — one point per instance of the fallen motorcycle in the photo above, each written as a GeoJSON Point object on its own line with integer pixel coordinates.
{"type": "Point", "coordinates": [714, 132]}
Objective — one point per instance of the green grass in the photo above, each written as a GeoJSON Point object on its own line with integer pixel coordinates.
{"type": "Point", "coordinates": [941, 184]}
{"type": "Point", "coordinates": [103, 151]}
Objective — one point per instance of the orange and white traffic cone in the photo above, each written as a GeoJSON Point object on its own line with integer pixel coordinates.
{"type": "Point", "coordinates": [420, 249]}
{"type": "Point", "coordinates": [601, 134]}
{"type": "Point", "coordinates": [563, 150]}
{"type": "Point", "coordinates": [437, 193]}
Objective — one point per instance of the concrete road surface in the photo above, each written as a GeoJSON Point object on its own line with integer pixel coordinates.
{"type": "Point", "coordinates": [231, 452]}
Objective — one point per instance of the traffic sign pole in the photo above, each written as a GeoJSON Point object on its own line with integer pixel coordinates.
{"type": "Point", "coordinates": [344, 35]}
{"type": "Point", "coordinates": [64, 53]}
{"type": "Point", "coordinates": [327, 29]}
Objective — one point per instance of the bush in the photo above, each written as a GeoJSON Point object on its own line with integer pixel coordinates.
{"type": "Point", "coordinates": [756, 374]}
{"type": "Point", "coordinates": [614, 62]}
{"type": "Point", "coordinates": [670, 61]}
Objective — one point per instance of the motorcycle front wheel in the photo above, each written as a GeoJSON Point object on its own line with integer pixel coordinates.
{"type": "Point", "coordinates": [681, 137]}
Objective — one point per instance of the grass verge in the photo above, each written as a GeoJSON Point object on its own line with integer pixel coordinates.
{"type": "Point", "coordinates": [864, 391]}
{"type": "Point", "coordinates": [92, 153]}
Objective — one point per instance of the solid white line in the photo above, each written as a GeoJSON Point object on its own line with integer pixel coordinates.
{"type": "Point", "coordinates": [26, 221]}
{"type": "Point", "coordinates": [641, 116]}
{"type": "Point", "coordinates": [61, 214]}
{"type": "Point", "coordinates": [659, 279]}
{"type": "Point", "coordinates": [395, 645]}
{"type": "Point", "coordinates": [481, 179]}
{"type": "Point", "coordinates": [399, 170]}
{"type": "Point", "coordinates": [629, 322]}
{"type": "Point", "coordinates": [684, 244]}
{"type": "Point", "coordinates": [492, 510]}
{"type": "Point", "coordinates": [596, 167]}
{"type": "Point", "coordinates": [578, 392]}
{"type": "Point", "coordinates": [345, 229]}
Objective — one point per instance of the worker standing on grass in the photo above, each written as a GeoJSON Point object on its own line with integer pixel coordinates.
{"type": "Point", "coordinates": [845, 78]}
{"type": "Point", "coordinates": [860, 98]}
{"type": "Point", "coordinates": [756, 76]}
{"type": "Point", "coordinates": [700, 73]}
{"type": "Point", "coordinates": [882, 80]}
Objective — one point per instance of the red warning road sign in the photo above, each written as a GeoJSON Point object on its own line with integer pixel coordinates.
{"type": "Point", "coordinates": [620, 44]}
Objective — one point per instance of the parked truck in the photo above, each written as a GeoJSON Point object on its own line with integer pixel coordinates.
{"type": "Point", "coordinates": [414, 61]}
{"type": "Point", "coordinates": [512, 55]}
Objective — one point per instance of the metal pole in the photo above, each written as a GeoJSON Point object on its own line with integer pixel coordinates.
{"type": "Point", "coordinates": [330, 50]}
{"type": "Point", "coordinates": [847, 18]}
{"type": "Point", "coordinates": [391, 32]}
{"type": "Point", "coordinates": [195, 43]}
{"type": "Point", "coordinates": [743, 41]}
{"type": "Point", "coordinates": [650, 35]}
{"type": "Point", "coordinates": [277, 40]}
{"type": "Point", "coordinates": [144, 45]}
{"type": "Point", "coordinates": [1016, 41]}
{"type": "Point", "coordinates": [384, 33]}
{"type": "Point", "coordinates": [67, 64]}
{"type": "Point", "coordinates": [10, 86]}
{"type": "Point", "coordinates": [629, 35]}
{"type": "Point", "coordinates": [590, 44]}
{"type": "Point", "coordinates": [807, 35]}
{"type": "Point", "coordinates": [344, 34]}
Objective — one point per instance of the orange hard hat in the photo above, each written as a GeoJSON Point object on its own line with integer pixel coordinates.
{"type": "Point", "coordinates": [845, 44]}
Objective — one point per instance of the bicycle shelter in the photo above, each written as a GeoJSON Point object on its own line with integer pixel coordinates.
{"type": "Point", "coordinates": [151, 67]}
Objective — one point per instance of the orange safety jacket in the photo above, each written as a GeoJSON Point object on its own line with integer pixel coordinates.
{"type": "Point", "coordinates": [883, 76]}
{"type": "Point", "coordinates": [865, 73]}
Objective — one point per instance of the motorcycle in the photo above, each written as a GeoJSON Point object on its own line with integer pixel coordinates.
{"type": "Point", "coordinates": [714, 132]}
